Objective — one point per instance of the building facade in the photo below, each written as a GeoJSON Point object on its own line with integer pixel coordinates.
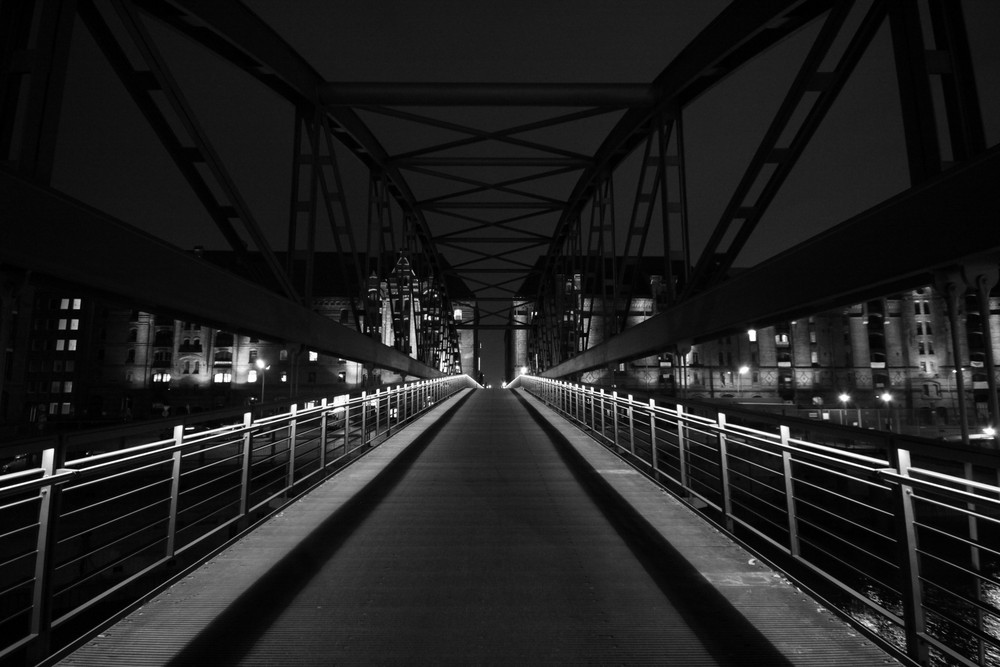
{"type": "Point", "coordinates": [901, 351]}
{"type": "Point", "coordinates": [70, 359]}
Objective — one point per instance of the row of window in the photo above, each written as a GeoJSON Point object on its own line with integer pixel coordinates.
{"type": "Point", "coordinates": [60, 324]}
{"type": "Point", "coordinates": [54, 387]}
{"type": "Point", "coordinates": [66, 304]}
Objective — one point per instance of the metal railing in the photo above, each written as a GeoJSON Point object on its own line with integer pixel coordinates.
{"type": "Point", "coordinates": [900, 535]}
{"type": "Point", "coordinates": [93, 524]}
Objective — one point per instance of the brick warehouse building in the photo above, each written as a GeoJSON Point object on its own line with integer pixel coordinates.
{"type": "Point", "coordinates": [81, 360]}
{"type": "Point", "coordinates": [900, 345]}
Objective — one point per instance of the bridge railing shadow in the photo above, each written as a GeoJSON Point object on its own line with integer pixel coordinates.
{"type": "Point", "coordinates": [88, 534]}
{"type": "Point", "coordinates": [900, 535]}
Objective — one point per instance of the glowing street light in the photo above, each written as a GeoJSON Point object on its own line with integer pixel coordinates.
{"type": "Point", "coordinates": [887, 398]}
{"type": "Point", "coordinates": [743, 370]}
{"type": "Point", "coordinates": [263, 366]}
{"type": "Point", "coordinates": [845, 398]}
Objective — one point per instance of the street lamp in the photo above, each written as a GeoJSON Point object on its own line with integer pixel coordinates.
{"type": "Point", "coordinates": [263, 375]}
{"type": "Point", "coordinates": [845, 398]}
{"type": "Point", "coordinates": [887, 398]}
{"type": "Point", "coordinates": [739, 385]}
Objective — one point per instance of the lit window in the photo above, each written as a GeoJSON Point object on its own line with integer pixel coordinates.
{"type": "Point", "coordinates": [62, 324]}
{"type": "Point", "coordinates": [74, 325]}
{"type": "Point", "coordinates": [458, 313]}
{"type": "Point", "coordinates": [222, 377]}
{"type": "Point", "coordinates": [76, 304]}
{"type": "Point", "coordinates": [284, 377]}
{"type": "Point", "coordinates": [252, 376]}
{"type": "Point", "coordinates": [71, 344]}
{"type": "Point", "coordinates": [66, 408]}
{"type": "Point", "coordinates": [68, 387]}
{"type": "Point", "coordinates": [313, 356]}
{"type": "Point", "coordinates": [283, 355]}
{"type": "Point", "coordinates": [64, 304]}
{"type": "Point", "coordinates": [60, 345]}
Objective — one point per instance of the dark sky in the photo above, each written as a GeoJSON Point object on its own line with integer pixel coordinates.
{"type": "Point", "coordinates": [108, 158]}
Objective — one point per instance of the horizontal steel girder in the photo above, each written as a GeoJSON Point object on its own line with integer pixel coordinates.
{"type": "Point", "coordinates": [54, 235]}
{"type": "Point", "coordinates": [487, 94]}
{"type": "Point", "coordinates": [893, 246]}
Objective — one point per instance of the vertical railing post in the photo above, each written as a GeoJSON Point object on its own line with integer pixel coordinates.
{"type": "Point", "coordinates": [602, 415]}
{"type": "Point", "coordinates": [175, 491]}
{"type": "Point", "coordinates": [345, 441]}
{"type": "Point", "coordinates": [347, 426]}
{"type": "Point", "coordinates": [909, 562]}
{"type": "Point", "coordinates": [364, 417]}
{"type": "Point", "coordinates": [794, 548]}
{"type": "Point", "coordinates": [322, 433]}
{"type": "Point", "coordinates": [48, 512]}
{"type": "Point", "coordinates": [653, 457]}
{"type": "Point", "coordinates": [292, 428]}
{"type": "Point", "coordinates": [726, 502]}
{"type": "Point", "coordinates": [682, 450]}
{"type": "Point", "coordinates": [592, 424]}
{"type": "Point", "coordinates": [631, 426]}
{"type": "Point", "coordinates": [614, 420]}
{"type": "Point", "coordinates": [245, 464]}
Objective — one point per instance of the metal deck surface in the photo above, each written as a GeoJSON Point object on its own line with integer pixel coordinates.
{"type": "Point", "coordinates": [481, 544]}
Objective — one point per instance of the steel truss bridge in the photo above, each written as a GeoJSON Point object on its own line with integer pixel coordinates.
{"type": "Point", "coordinates": [484, 204]}
{"type": "Point", "coordinates": [498, 207]}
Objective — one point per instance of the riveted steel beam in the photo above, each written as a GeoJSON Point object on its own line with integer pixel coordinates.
{"type": "Point", "coordinates": [131, 265]}
{"type": "Point", "coordinates": [487, 94]}
{"type": "Point", "coordinates": [842, 266]}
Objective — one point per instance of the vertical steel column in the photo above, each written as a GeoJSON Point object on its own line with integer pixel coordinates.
{"type": "Point", "coordinates": [983, 280]}
{"type": "Point", "coordinates": [727, 508]}
{"type": "Point", "coordinates": [35, 38]}
{"type": "Point", "coordinates": [790, 505]}
{"type": "Point", "coordinates": [951, 286]}
{"type": "Point", "coordinates": [909, 562]}
{"type": "Point", "coordinates": [175, 490]}
{"type": "Point", "coordinates": [378, 411]}
{"type": "Point", "coordinates": [919, 124]}
{"type": "Point", "coordinates": [303, 199]}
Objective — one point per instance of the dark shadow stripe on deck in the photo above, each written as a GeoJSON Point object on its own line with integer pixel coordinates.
{"type": "Point", "coordinates": [244, 621]}
{"type": "Point", "coordinates": [722, 629]}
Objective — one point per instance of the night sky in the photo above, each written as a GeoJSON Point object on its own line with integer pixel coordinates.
{"type": "Point", "coordinates": [108, 158]}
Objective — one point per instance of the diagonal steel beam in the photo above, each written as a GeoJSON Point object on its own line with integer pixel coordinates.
{"type": "Point", "coordinates": [130, 265]}
{"type": "Point", "coordinates": [839, 269]}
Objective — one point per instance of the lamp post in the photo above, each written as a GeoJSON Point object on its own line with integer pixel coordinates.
{"type": "Point", "coordinates": [743, 370]}
{"type": "Point", "coordinates": [263, 375]}
{"type": "Point", "coordinates": [887, 398]}
{"type": "Point", "coordinates": [844, 398]}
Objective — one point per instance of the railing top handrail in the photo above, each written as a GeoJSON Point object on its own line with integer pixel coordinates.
{"type": "Point", "coordinates": [887, 441]}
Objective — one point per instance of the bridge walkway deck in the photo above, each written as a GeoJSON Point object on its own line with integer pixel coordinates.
{"type": "Point", "coordinates": [495, 535]}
